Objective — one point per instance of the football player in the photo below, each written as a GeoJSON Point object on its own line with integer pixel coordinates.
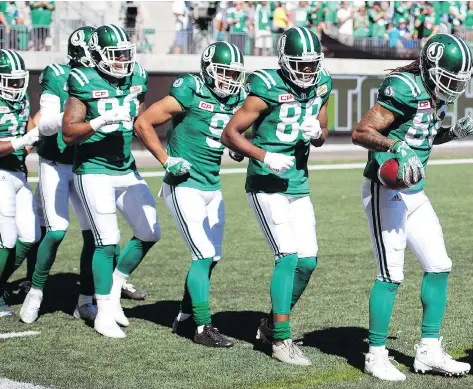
{"type": "Point", "coordinates": [288, 110]}
{"type": "Point", "coordinates": [19, 223]}
{"type": "Point", "coordinates": [103, 102]}
{"type": "Point", "coordinates": [56, 185]}
{"type": "Point", "coordinates": [200, 107]}
{"type": "Point", "coordinates": [404, 124]}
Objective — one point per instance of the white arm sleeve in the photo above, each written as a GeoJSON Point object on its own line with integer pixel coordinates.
{"type": "Point", "coordinates": [50, 121]}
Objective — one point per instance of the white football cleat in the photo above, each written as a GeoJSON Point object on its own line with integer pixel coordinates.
{"type": "Point", "coordinates": [107, 326]}
{"type": "Point", "coordinates": [288, 352]}
{"type": "Point", "coordinates": [86, 312]}
{"type": "Point", "coordinates": [379, 364]}
{"type": "Point", "coordinates": [119, 316]}
{"type": "Point", "coordinates": [30, 308]}
{"type": "Point", "coordinates": [430, 356]}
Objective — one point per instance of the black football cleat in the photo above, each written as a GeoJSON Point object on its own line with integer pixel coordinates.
{"type": "Point", "coordinates": [130, 292]}
{"type": "Point", "coordinates": [211, 337]}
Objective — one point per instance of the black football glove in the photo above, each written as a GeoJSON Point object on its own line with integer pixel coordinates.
{"type": "Point", "coordinates": [235, 156]}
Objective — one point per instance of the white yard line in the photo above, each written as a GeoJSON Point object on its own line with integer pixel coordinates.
{"type": "Point", "coordinates": [9, 384]}
{"type": "Point", "coordinates": [331, 166]}
{"type": "Point", "coordinates": [9, 335]}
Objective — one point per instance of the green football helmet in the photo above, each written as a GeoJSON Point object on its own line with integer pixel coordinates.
{"type": "Point", "coordinates": [112, 52]}
{"type": "Point", "coordinates": [300, 56]}
{"type": "Point", "coordinates": [78, 48]}
{"type": "Point", "coordinates": [445, 65]}
{"type": "Point", "coordinates": [222, 68]}
{"type": "Point", "coordinates": [13, 76]}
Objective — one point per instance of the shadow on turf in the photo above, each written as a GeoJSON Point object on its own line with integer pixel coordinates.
{"type": "Point", "coordinates": [60, 293]}
{"type": "Point", "coordinates": [240, 325]}
{"type": "Point", "coordinates": [349, 343]}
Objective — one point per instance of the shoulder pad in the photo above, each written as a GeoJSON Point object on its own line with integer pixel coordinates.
{"type": "Point", "coordinates": [399, 93]}
{"type": "Point", "coordinates": [185, 87]}
{"type": "Point", "coordinates": [140, 71]}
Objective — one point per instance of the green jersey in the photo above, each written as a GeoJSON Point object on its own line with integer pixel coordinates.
{"type": "Point", "coordinates": [262, 17]}
{"type": "Point", "coordinates": [53, 81]}
{"type": "Point", "coordinates": [417, 120]}
{"type": "Point", "coordinates": [13, 122]}
{"type": "Point", "coordinates": [277, 129]}
{"type": "Point", "coordinates": [108, 150]}
{"type": "Point", "coordinates": [239, 16]}
{"type": "Point", "coordinates": [195, 134]}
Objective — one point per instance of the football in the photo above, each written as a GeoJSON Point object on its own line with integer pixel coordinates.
{"type": "Point", "coordinates": [387, 175]}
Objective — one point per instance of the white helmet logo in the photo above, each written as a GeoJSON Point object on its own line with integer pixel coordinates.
{"type": "Point", "coordinates": [208, 53]}
{"type": "Point", "coordinates": [281, 43]}
{"type": "Point", "coordinates": [78, 38]}
{"type": "Point", "coordinates": [435, 51]}
{"type": "Point", "coordinates": [94, 41]}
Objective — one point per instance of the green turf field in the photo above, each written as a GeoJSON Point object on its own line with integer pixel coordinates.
{"type": "Point", "coordinates": [331, 317]}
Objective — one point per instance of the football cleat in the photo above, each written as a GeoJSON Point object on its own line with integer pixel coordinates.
{"type": "Point", "coordinates": [430, 356]}
{"type": "Point", "coordinates": [30, 309]}
{"type": "Point", "coordinates": [86, 312]}
{"type": "Point", "coordinates": [130, 292]}
{"type": "Point", "coordinates": [23, 288]}
{"type": "Point", "coordinates": [185, 328]}
{"type": "Point", "coordinates": [119, 316]}
{"type": "Point", "coordinates": [107, 326]}
{"type": "Point", "coordinates": [288, 352]}
{"type": "Point", "coordinates": [264, 332]}
{"type": "Point", "coordinates": [211, 337]}
{"type": "Point", "coordinates": [380, 365]}
{"type": "Point", "coordinates": [5, 309]}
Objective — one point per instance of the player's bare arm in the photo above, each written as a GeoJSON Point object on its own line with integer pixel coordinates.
{"type": "Point", "coordinates": [31, 125]}
{"type": "Point", "coordinates": [158, 113]}
{"type": "Point", "coordinates": [74, 129]}
{"type": "Point", "coordinates": [36, 118]}
{"type": "Point", "coordinates": [323, 120]}
{"type": "Point", "coordinates": [241, 121]}
{"type": "Point", "coordinates": [368, 132]}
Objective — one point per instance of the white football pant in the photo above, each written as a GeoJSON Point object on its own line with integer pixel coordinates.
{"type": "Point", "coordinates": [18, 217]}
{"type": "Point", "coordinates": [396, 220]}
{"type": "Point", "coordinates": [287, 222]}
{"type": "Point", "coordinates": [200, 218]}
{"type": "Point", "coordinates": [101, 194]}
{"type": "Point", "coordinates": [53, 193]}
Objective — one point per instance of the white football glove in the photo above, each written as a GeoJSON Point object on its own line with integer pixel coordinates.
{"type": "Point", "coordinates": [30, 138]}
{"type": "Point", "coordinates": [278, 163]}
{"type": "Point", "coordinates": [113, 116]}
{"type": "Point", "coordinates": [463, 127]}
{"type": "Point", "coordinates": [310, 128]}
{"type": "Point", "coordinates": [177, 166]}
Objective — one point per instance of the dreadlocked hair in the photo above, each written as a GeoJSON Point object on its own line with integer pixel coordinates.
{"type": "Point", "coordinates": [413, 68]}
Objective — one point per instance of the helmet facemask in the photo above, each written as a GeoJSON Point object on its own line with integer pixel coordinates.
{"type": "Point", "coordinates": [448, 86]}
{"type": "Point", "coordinates": [13, 85]}
{"type": "Point", "coordinates": [303, 71]}
{"type": "Point", "coordinates": [117, 61]}
{"type": "Point", "coordinates": [228, 79]}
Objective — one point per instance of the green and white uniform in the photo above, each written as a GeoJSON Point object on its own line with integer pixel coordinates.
{"type": "Point", "coordinates": [398, 219]}
{"type": "Point", "coordinates": [195, 199]}
{"type": "Point", "coordinates": [18, 218]}
{"type": "Point", "coordinates": [281, 202]}
{"type": "Point", "coordinates": [104, 168]}
{"type": "Point", "coordinates": [56, 184]}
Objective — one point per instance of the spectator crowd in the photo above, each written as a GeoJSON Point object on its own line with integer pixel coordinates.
{"type": "Point", "coordinates": [254, 26]}
{"type": "Point", "coordinates": [26, 25]}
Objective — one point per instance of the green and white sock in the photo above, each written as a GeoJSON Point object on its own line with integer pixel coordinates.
{"type": "Point", "coordinates": [304, 270]}
{"type": "Point", "coordinates": [382, 299]}
{"type": "Point", "coordinates": [102, 269]}
{"type": "Point", "coordinates": [132, 255]}
{"type": "Point", "coordinates": [434, 301]}
{"type": "Point", "coordinates": [198, 284]}
{"type": "Point", "coordinates": [47, 251]}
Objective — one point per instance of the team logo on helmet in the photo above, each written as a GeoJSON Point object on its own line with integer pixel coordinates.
{"type": "Point", "coordinates": [389, 91]}
{"type": "Point", "coordinates": [209, 53]}
{"type": "Point", "coordinates": [435, 51]}
{"type": "Point", "coordinates": [78, 38]}
{"type": "Point", "coordinates": [94, 42]}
